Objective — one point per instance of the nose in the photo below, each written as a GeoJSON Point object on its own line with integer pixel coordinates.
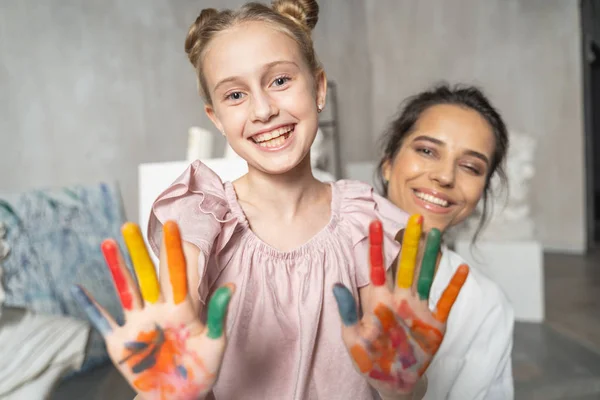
{"type": "Point", "coordinates": [263, 107]}
{"type": "Point", "coordinates": [444, 174]}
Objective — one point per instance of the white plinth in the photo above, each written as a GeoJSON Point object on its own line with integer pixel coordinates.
{"type": "Point", "coordinates": [517, 267]}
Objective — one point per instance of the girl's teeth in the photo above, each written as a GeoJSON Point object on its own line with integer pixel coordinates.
{"type": "Point", "coordinates": [264, 137]}
{"type": "Point", "coordinates": [431, 199]}
{"type": "Point", "coordinates": [273, 142]}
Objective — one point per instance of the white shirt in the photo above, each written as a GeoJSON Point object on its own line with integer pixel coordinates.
{"type": "Point", "coordinates": [474, 359]}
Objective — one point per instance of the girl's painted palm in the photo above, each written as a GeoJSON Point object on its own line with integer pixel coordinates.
{"type": "Point", "coordinates": [397, 337]}
{"type": "Point", "coordinates": [163, 350]}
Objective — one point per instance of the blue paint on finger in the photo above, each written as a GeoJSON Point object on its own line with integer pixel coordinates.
{"type": "Point", "coordinates": [91, 310]}
{"type": "Point", "coordinates": [346, 304]}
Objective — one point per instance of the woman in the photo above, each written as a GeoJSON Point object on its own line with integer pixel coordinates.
{"type": "Point", "coordinates": [440, 154]}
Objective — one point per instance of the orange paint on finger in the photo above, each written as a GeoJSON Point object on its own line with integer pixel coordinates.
{"type": "Point", "coordinates": [451, 293]}
{"type": "Point", "coordinates": [175, 261]}
{"type": "Point", "coordinates": [361, 358]}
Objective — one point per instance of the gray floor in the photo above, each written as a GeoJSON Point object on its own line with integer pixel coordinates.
{"type": "Point", "coordinates": [560, 359]}
{"type": "Point", "coordinates": [557, 360]}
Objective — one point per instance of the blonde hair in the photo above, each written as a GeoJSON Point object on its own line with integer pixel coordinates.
{"type": "Point", "coordinates": [296, 18]}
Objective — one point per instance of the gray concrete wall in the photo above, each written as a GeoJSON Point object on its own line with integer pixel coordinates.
{"type": "Point", "coordinates": [526, 54]}
{"type": "Point", "coordinates": [88, 90]}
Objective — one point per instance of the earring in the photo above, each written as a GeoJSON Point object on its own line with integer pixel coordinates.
{"type": "Point", "coordinates": [320, 108]}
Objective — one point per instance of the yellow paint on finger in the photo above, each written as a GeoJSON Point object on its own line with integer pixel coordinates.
{"type": "Point", "coordinates": [142, 263]}
{"type": "Point", "coordinates": [408, 256]}
{"type": "Point", "coordinates": [175, 261]}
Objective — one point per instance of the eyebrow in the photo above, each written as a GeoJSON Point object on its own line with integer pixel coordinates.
{"type": "Point", "coordinates": [473, 153]}
{"type": "Point", "coordinates": [265, 67]}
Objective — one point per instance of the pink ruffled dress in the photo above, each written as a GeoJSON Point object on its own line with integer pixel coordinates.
{"type": "Point", "coordinates": [283, 327]}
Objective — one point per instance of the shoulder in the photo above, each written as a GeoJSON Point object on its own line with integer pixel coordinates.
{"type": "Point", "coordinates": [197, 201]}
{"type": "Point", "coordinates": [360, 200]}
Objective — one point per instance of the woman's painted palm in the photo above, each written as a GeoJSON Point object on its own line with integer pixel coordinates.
{"type": "Point", "coordinates": [163, 350]}
{"type": "Point", "coordinates": [397, 337]}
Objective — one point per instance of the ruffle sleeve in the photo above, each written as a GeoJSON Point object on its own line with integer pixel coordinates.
{"type": "Point", "coordinates": [196, 200]}
{"type": "Point", "coordinates": [361, 205]}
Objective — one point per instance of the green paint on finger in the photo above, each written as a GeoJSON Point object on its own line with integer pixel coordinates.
{"type": "Point", "coordinates": [217, 308]}
{"type": "Point", "coordinates": [432, 247]}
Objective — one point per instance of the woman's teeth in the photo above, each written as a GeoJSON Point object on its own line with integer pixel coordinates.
{"type": "Point", "coordinates": [275, 138]}
{"type": "Point", "coordinates": [432, 199]}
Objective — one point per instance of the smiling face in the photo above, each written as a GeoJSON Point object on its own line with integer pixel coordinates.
{"type": "Point", "coordinates": [264, 96]}
{"type": "Point", "coordinates": [441, 170]}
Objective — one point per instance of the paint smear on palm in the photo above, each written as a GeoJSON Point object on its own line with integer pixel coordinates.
{"type": "Point", "coordinates": [175, 261]}
{"type": "Point", "coordinates": [142, 263]}
{"type": "Point", "coordinates": [157, 360]}
{"type": "Point", "coordinates": [409, 251]}
{"type": "Point", "coordinates": [427, 336]}
{"type": "Point", "coordinates": [385, 358]}
{"type": "Point", "coordinates": [390, 356]}
{"type": "Point", "coordinates": [113, 259]}
{"type": "Point", "coordinates": [396, 338]}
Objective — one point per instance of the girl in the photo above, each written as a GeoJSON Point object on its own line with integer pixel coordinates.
{"type": "Point", "coordinates": [277, 236]}
{"type": "Point", "coordinates": [440, 154]}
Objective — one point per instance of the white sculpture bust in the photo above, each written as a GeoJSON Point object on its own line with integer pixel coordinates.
{"type": "Point", "coordinates": [509, 212]}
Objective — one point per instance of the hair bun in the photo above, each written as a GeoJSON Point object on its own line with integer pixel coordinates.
{"type": "Point", "coordinates": [192, 41]}
{"type": "Point", "coordinates": [303, 12]}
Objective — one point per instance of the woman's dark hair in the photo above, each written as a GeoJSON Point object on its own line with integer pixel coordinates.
{"type": "Point", "coordinates": [460, 95]}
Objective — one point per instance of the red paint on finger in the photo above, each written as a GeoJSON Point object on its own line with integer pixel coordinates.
{"type": "Point", "coordinates": [376, 253]}
{"type": "Point", "coordinates": [110, 250]}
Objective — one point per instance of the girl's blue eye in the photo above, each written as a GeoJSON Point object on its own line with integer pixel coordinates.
{"type": "Point", "coordinates": [235, 96]}
{"type": "Point", "coordinates": [281, 81]}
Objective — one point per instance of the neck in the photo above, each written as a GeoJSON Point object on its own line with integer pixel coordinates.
{"type": "Point", "coordinates": [283, 194]}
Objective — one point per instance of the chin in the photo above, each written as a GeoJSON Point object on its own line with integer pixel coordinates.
{"type": "Point", "coordinates": [440, 226]}
{"type": "Point", "coordinates": [273, 167]}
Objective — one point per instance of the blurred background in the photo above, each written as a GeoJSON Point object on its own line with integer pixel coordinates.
{"type": "Point", "coordinates": [91, 90]}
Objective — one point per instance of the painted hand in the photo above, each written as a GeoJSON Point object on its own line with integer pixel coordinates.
{"type": "Point", "coordinates": [397, 337]}
{"type": "Point", "coordinates": [163, 350]}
